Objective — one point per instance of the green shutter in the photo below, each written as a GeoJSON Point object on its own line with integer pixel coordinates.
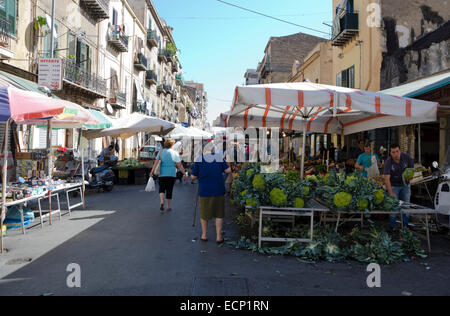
{"type": "Point", "coordinates": [8, 12]}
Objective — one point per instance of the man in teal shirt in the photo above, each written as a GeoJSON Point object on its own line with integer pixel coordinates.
{"type": "Point", "coordinates": [364, 161]}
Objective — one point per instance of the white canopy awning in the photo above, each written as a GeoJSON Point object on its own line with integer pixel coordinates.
{"type": "Point", "coordinates": [132, 124]}
{"type": "Point", "coordinates": [324, 109]}
{"type": "Point", "coordinates": [180, 131]}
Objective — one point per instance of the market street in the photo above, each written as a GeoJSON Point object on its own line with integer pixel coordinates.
{"type": "Point", "coordinates": [125, 247]}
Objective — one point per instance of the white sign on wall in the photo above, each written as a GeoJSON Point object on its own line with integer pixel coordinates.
{"type": "Point", "coordinates": [50, 73]}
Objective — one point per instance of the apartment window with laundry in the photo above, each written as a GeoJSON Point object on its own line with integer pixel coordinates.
{"type": "Point", "coordinates": [8, 16]}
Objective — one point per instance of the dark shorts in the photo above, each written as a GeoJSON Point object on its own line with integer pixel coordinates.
{"type": "Point", "coordinates": [166, 186]}
{"type": "Point", "coordinates": [212, 207]}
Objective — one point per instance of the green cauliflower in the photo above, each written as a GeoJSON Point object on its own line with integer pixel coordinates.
{"type": "Point", "coordinates": [299, 203]}
{"type": "Point", "coordinates": [258, 182]}
{"type": "Point", "coordinates": [326, 179]}
{"type": "Point", "coordinates": [363, 204]}
{"type": "Point", "coordinates": [408, 175]}
{"type": "Point", "coordinates": [307, 190]}
{"type": "Point", "coordinates": [379, 196]}
{"type": "Point", "coordinates": [244, 193]}
{"type": "Point", "coordinates": [278, 197]}
{"type": "Point", "coordinates": [349, 179]}
{"type": "Point", "coordinates": [249, 173]}
{"type": "Point", "coordinates": [312, 179]}
{"type": "Point", "coordinates": [342, 199]}
{"type": "Point", "coordinates": [250, 202]}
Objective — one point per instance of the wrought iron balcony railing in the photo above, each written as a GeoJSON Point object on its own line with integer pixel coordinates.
{"type": "Point", "coordinates": [118, 99]}
{"type": "Point", "coordinates": [141, 62]}
{"type": "Point", "coordinates": [345, 28]}
{"type": "Point", "coordinates": [98, 9]}
{"type": "Point", "coordinates": [117, 38]}
{"type": "Point", "coordinates": [151, 77]}
{"type": "Point", "coordinates": [74, 73]}
{"type": "Point", "coordinates": [152, 38]}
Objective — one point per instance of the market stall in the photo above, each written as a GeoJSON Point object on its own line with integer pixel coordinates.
{"type": "Point", "coordinates": [131, 171]}
{"type": "Point", "coordinates": [306, 107]}
{"type": "Point", "coordinates": [24, 107]}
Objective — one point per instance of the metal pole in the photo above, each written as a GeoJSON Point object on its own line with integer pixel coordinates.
{"type": "Point", "coordinates": [303, 150]}
{"type": "Point", "coordinates": [4, 182]}
{"type": "Point", "coordinates": [52, 39]}
{"type": "Point", "coordinates": [49, 167]}
{"type": "Point", "coordinates": [420, 146]}
{"type": "Point", "coordinates": [82, 166]}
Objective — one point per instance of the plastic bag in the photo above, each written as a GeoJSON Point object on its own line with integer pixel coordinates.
{"type": "Point", "coordinates": [150, 185]}
{"type": "Point", "coordinates": [373, 171]}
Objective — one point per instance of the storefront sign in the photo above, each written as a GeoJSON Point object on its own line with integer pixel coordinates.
{"type": "Point", "coordinates": [50, 73]}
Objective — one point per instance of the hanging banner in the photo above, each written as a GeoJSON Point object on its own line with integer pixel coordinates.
{"type": "Point", "coordinates": [50, 73]}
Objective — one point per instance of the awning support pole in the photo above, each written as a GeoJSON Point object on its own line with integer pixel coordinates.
{"type": "Point", "coordinates": [4, 183]}
{"type": "Point", "coordinates": [303, 150]}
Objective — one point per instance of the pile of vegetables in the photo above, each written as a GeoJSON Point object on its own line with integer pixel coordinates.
{"type": "Point", "coordinates": [370, 245]}
{"type": "Point", "coordinates": [255, 189]}
{"type": "Point", "coordinates": [130, 163]}
{"type": "Point", "coordinates": [353, 193]}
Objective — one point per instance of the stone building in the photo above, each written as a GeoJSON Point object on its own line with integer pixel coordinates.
{"type": "Point", "coordinates": [281, 53]}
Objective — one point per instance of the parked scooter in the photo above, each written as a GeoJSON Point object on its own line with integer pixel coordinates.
{"type": "Point", "coordinates": [442, 197]}
{"type": "Point", "coordinates": [103, 177]}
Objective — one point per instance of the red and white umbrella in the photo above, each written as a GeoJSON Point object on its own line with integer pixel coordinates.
{"type": "Point", "coordinates": [309, 107]}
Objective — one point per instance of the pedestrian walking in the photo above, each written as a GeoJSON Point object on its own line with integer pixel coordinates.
{"type": "Point", "coordinates": [170, 161]}
{"type": "Point", "coordinates": [209, 169]}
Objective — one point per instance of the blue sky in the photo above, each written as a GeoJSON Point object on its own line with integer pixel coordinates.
{"type": "Point", "coordinates": [218, 43]}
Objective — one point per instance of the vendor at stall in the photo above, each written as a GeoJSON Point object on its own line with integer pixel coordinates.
{"type": "Point", "coordinates": [364, 161]}
{"type": "Point", "coordinates": [394, 167]}
{"type": "Point", "coordinates": [105, 154]}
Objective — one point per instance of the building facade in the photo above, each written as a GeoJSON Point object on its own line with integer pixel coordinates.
{"type": "Point", "coordinates": [281, 53]}
{"type": "Point", "coordinates": [119, 57]}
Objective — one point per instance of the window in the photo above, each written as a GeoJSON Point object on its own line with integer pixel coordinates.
{"type": "Point", "coordinates": [8, 13]}
{"type": "Point", "coordinates": [346, 78]}
{"type": "Point", "coordinates": [80, 53]}
{"type": "Point", "coordinates": [115, 17]}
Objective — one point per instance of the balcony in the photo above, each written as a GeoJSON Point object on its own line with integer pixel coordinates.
{"type": "Point", "coordinates": [78, 76]}
{"type": "Point", "coordinates": [265, 71]}
{"type": "Point", "coordinates": [152, 39]}
{"type": "Point", "coordinates": [345, 28]}
{"type": "Point", "coordinates": [118, 99]}
{"type": "Point", "coordinates": [175, 68]}
{"type": "Point", "coordinates": [5, 40]}
{"type": "Point", "coordinates": [179, 79]}
{"type": "Point", "coordinates": [168, 88]}
{"type": "Point", "coordinates": [117, 39]}
{"type": "Point", "coordinates": [160, 89]}
{"type": "Point", "coordinates": [140, 62]}
{"type": "Point", "coordinates": [97, 9]}
{"type": "Point", "coordinates": [162, 55]}
{"type": "Point", "coordinates": [151, 77]}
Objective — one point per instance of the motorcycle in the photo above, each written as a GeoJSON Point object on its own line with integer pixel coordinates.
{"type": "Point", "coordinates": [103, 177]}
{"type": "Point", "coordinates": [442, 197]}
